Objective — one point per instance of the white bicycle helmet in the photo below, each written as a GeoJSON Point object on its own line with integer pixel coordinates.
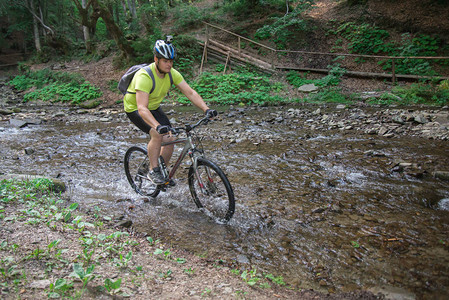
{"type": "Point", "coordinates": [163, 49]}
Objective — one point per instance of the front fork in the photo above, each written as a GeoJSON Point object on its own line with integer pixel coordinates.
{"type": "Point", "coordinates": [202, 185]}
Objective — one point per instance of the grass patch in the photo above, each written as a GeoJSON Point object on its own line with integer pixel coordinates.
{"type": "Point", "coordinates": [48, 85]}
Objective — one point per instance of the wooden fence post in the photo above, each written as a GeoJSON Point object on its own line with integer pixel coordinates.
{"type": "Point", "coordinates": [239, 45]}
{"type": "Point", "coordinates": [393, 71]}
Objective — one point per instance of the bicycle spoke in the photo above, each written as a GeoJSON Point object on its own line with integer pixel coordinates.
{"type": "Point", "coordinates": [211, 191]}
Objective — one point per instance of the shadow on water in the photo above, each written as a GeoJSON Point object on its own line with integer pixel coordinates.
{"type": "Point", "coordinates": [328, 210]}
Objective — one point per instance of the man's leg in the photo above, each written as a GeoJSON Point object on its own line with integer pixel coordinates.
{"type": "Point", "coordinates": [155, 149]}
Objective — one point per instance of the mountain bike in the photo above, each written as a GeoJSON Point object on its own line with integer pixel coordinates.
{"type": "Point", "coordinates": [209, 186]}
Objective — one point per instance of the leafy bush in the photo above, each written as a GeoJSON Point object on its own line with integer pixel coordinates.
{"type": "Point", "coordinates": [188, 16]}
{"type": "Point", "coordinates": [283, 28]}
{"type": "Point", "coordinates": [328, 95]}
{"type": "Point", "coordinates": [372, 40]}
{"type": "Point", "coordinates": [333, 79]}
{"type": "Point", "coordinates": [418, 93]}
{"type": "Point", "coordinates": [65, 92]}
{"type": "Point", "coordinates": [236, 88]}
{"type": "Point", "coordinates": [421, 45]}
{"type": "Point", "coordinates": [365, 38]}
{"type": "Point", "coordinates": [55, 86]}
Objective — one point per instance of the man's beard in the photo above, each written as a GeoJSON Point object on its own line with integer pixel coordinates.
{"type": "Point", "coordinates": [159, 70]}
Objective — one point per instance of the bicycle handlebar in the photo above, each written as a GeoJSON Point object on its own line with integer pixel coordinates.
{"type": "Point", "coordinates": [188, 127]}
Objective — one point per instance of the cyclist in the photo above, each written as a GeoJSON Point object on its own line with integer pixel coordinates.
{"type": "Point", "coordinates": [143, 108]}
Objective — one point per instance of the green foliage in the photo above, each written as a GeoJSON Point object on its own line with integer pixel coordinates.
{"type": "Point", "coordinates": [421, 45]}
{"type": "Point", "coordinates": [418, 93]}
{"type": "Point", "coordinates": [112, 286]}
{"type": "Point", "coordinates": [66, 92]}
{"type": "Point", "coordinates": [365, 38]}
{"type": "Point", "coordinates": [236, 88]}
{"type": "Point", "coordinates": [101, 33]}
{"type": "Point", "coordinates": [188, 16]}
{"type": "Point", "coordinates": [372, 40]}
{"type": "Point", "coordinates": [55, 86]}
{"type": "Point", "coordinates": [245, 8]}
{"type": "Point", "coordinates": [281, 30]}
{"type": "Point", "coordinates": [328, 95]}
{"type": "Point", "coordinates": [333, 79]}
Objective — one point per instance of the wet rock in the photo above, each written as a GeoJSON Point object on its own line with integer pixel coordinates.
{"type": "Point", "coordinates": [242, 259]}
{"type": "Point", "coordinates": [308, 88]}
{"type": "Point", "coordinates": [421, 119]}
{"type": "Point", "coordinates": [124, 223]}
{"type": "Point", "coordinates": [382, 131]}
{"type": "Point", "coordinates": [18, 123]}
{"type": "Point", "coordinates": [90, 104]}
{"type": "Point", "coordinates": [59, 114]}
{"type": "Point", "coordinates": [443, 175]}
{"type": "Point", "coordinates": [398, 120]}
{"type": "Point", "coordinates": [40, 284]}
{"type": "Point", "coordinates": [6, 111]}
{"type": "Point", "coordinates": [28, 151]}
{"type": "Point", "coordinates": [33, 121]}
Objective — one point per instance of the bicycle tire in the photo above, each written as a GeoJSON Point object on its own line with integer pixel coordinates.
{"type": "Point", "coordinates": [136, 168]}
{"type": "Point", "coordinates": [216, 199]}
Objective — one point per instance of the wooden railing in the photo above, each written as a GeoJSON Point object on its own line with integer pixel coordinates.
{"type": "Point", "coordinates": [278, 59]}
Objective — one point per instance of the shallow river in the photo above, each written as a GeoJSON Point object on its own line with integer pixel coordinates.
{"type": "Point", "coordinates": [328, 210]}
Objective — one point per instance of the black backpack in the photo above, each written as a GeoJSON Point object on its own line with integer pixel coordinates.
{"type": "Point", "coordinates": [124, 82]}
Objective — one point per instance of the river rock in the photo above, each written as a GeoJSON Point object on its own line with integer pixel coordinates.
{"type": "Point", "coordinates": [40, 284]}
{"type": "Point", "coordinates": [308, 88]}
{"type": "Point", "coordinates": [443, 175]}
{"type": "Point", "coordinates": [421, 119]}
{"type": "Point", "coordinates": [90, 104]}
{"type": "Point", "coordinates": [398, 120]}
{"type": "Point", "coordinates": [18, 123]}
{"type": "Point", "coordinates": [5, 111]}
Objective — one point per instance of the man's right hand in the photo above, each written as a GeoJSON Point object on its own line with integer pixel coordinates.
{"type": "Point", "coordinates": [163, 129]}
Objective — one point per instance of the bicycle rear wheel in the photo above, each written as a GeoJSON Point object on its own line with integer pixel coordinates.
{"type": "Point", "coordinates": [211, 190]}
{"type": "Point", "coordinates": [136, 169]}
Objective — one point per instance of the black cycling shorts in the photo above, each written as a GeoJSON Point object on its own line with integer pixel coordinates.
{"type": "Point", "coordinates": [158, 114]}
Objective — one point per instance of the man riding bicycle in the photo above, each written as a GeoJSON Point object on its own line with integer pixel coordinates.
{"type": "Point", "coordinates": [142, 104]}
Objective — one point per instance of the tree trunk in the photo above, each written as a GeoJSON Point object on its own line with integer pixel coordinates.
{"type": "Point", "coordinates": [113, 29]}
{"type": "Point", "coordinates": [87, 41]}
{"type": "Point", "coordinates": [37, 41]}
{"type": "Point", "coordinates": [132, 8]}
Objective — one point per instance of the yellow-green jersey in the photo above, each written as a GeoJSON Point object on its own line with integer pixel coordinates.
{"type": "Point", "coordinates": [143, 82]}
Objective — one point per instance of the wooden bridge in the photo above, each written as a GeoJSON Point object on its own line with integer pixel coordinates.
{"type": "Point", "coordinates": [231, 47]}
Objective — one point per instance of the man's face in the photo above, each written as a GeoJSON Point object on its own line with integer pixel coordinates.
{"type": "Point", "coordinates": [164, 64]}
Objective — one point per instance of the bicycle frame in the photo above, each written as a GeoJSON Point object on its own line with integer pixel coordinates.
{"type": "Point", "coordinates": [189, 149]}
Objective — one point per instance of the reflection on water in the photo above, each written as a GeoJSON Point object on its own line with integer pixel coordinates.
{"type": "Point", "coordinates": [327, 210]}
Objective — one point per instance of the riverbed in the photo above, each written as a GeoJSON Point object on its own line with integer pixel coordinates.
{"type": "Point", "coordinates": [328, 204]}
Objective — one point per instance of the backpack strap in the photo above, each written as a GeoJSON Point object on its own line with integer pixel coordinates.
{"type": "Point", "coordinates": [171, 78]}
{"type": "Point", "coordinates": [147, 68]}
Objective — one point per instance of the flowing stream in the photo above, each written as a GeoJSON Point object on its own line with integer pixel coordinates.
{"type": "Point", "coordinates": [330, 210]}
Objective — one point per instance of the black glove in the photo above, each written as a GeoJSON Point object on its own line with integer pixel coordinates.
{"type": "Point", "coordinates": [210, 113]}
{"type": "Point", "coordinates": [162, 129]}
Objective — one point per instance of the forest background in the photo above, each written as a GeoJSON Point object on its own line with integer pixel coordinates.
{"type": "Point", "coordinates": [48, 31]}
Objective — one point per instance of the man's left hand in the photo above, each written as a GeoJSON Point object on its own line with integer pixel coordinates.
{"type": "Point", "coordinates": [210, 113]}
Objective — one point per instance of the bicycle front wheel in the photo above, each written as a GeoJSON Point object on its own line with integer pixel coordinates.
{"type": "Point", "coordinates": [136, 169]}
{"type": "Point", "coordinates": [211, 190]}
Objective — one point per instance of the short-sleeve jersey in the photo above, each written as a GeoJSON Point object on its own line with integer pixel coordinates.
{"type": "Point", "coordinates": [142, 82]}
